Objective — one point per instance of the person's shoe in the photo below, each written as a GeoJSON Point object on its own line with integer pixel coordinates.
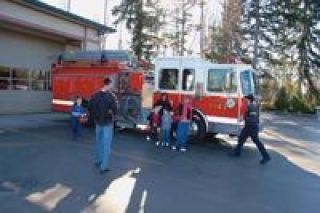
{"type": "Point", "coordinates": [163, 144]}
{"type": "Point", "coordinates": [148, 138]}
{"type": "Point", "coordinates": [102, 172]}
{"type": "Point", "coordinates": [183, 150]}
{"type": "Point", "coordinates": [174, 148]}
{"type": "Point", "coordinates": [167, 144]}
{"type": "Point", "coordinates": [157, 143]}
{"type": "Point", "coordinates": [265, 160]}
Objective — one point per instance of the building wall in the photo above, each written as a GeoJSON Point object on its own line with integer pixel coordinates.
{"type": "Point", "coordinates": [30, 40]}
{"type": "Point", "coordinates": [26, 51]}
{"type": "Point", "coordinates": [22, 15]}
{"type": "Point", "coordinates": [20, 101]}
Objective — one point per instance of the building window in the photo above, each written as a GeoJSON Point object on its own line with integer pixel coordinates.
{"type": "Point", "coordinates": [24, 79]}
{"type": "Point", "coordinates": [20, 79]}
{"type": "Point", "coordinates": [188, 78]}
{"type": "Point", "coordinates": [168, 79]}
{"type": "Point", "coordinates": [4, 78]}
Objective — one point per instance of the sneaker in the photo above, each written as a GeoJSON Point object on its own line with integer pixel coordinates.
{"type": "Point", "coordinates": [163, 144]}
{"type": "Point", "coordinates": [265, 160]}
{"type": "Point", "coordinates": [167, 144]}
{"type": "Point", "coordinates": [148, 138]}
{"type": "Point", "coordinates": [174, 148]}
{"type": "Point", "coordinates": [183, 150]}
{"type": "Point", "coordinates": [157, 143]}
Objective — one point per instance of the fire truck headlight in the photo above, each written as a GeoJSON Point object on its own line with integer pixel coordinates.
{"type": "Point", "coordinates": [230, 103]}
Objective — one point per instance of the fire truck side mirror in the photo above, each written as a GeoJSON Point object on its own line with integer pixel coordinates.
{"type": "Point", "coordinates": [199, 90]}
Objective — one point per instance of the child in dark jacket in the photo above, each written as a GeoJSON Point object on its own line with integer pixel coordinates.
{"type": "Point", "coordinates": [154, 121]}
{"type": "Point", "coordinates": [77, 113]}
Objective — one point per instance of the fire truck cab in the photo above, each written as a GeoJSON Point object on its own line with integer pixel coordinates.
{"type": "Point", "coordinates": [217, 91]}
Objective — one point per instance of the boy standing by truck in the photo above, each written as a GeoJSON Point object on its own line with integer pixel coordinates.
{"type": "Point", "coordinates": [78, 112]}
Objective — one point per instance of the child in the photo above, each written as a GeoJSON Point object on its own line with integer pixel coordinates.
{"type": "Point", "coordinates": [154, 121]}
{"type": "Point", "coordinates": [175, 121]}
{"type": "Point", "coordinates": [77, 113]}
{"type": "Point", "coordinates": [166, 121]}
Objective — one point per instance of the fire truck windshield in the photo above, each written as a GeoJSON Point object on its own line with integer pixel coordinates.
{"type": "Point", "coordinates": [247, 83]}
{"type": "Point", "coordinates": [222, 80]}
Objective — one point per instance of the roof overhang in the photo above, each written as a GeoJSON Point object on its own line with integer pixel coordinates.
{"type": "Point", "coordinates": [41, 6]}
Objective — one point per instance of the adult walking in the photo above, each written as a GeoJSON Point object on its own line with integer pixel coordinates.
{"type": "Point", "coordinates": [103, 106]}
{"type": "Point", "coordinates": [251, 129]}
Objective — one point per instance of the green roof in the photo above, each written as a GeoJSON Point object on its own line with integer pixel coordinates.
{"type": "Point", "coordinates": [102, 29]}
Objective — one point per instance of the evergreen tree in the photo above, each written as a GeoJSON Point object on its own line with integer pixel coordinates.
{"type": "Point", "coordinates": [301, 38]}
{"type": "Point", "coordinates": [225, 38]}
{"type": "Point", "coordinates": [283, 33]}
{"type": "Point", "coordinates": [143, 19]}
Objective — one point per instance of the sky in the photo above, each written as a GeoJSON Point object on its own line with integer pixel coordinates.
{"type": "Point", "coordinates": [94, 10]}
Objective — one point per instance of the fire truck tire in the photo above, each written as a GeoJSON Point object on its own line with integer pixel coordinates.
{"type": "Point", "coordinates": [198, 129]}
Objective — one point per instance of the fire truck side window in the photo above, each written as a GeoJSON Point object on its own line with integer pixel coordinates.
{"type": "Point", "coordinates": [246, 83]}
{"type": "Point", "coordinates": [188, 79]}
{"type": "Point", "coordinates": [221, 80]}
{"type": "Point", "coordinates": [168, 79]}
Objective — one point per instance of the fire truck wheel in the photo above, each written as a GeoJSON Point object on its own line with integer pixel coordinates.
{"type": "Point", "coordinates": [198, 130]}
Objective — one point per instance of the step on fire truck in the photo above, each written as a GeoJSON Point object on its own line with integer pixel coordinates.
{"type": "Point", "coordinates": [217, 90]}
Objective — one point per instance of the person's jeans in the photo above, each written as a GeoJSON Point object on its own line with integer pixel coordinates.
{"type": "Point", "coordinates": [182, 134]}
{"type": "Point", "coordinates": [154, 134]}
{"type": "Point", "coordinates": [251, 131]}
{"type": "Point", "coordinates": [76, 128]}
{"type": "Point", "coordinates": [165, 136]}
{"type": "Point", "coordinates": [104, 134]}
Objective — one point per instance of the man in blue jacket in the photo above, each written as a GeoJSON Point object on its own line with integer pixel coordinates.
{"type": "Point", "coordinates": [103, 107]}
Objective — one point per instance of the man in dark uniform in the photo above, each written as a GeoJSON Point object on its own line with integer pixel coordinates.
{"type": "Point", "coordinates": [251, 129]}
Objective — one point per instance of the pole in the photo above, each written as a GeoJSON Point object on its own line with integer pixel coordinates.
{"type": "Point", "coordinates": [177, 39]}
{"type": "Point", "coordinates": [105, 20]}
{"type": "Point", "coordinates": [256, 35]}
{"type": "Point", "coordinates": [184, 16]}
{"type": "Point", "coordinates": [69, 5]}
{"type": "Point", "coordinates": [120, 37]}
{"type": "Point", "coordinates": [202, 28]}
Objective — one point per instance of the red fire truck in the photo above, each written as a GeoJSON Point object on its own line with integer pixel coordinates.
{"type": "Point", "coordinates": [82, 74]}
{"type": "Point", "coordinates": [217, 90]}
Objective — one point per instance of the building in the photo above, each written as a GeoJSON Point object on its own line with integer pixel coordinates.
{"type": "Point", "coordinates": [32, 35]}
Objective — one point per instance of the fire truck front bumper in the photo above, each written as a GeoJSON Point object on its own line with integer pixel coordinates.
{"type": "Point", "coordinates": [227, 126]}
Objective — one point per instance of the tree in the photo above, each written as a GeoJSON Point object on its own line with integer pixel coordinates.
{"type": "Point", "coordinates": [258, 29]}
{"type": "Point", "coordinates": [231, 16]}
{"type": "Point", "coordinates": [301, 38]}
{"type": "Point", "coordinates": [182, 18]}
{"type": "Point", "coordinates": [283, 33]}
{"type": "Point", "coordinates": [143, 19]}
{"type": "Point", "coordinates": [225, 37]}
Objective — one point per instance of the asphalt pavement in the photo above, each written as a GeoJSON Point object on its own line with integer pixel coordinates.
{"type": "Point", "coordinates": [42, 169]}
